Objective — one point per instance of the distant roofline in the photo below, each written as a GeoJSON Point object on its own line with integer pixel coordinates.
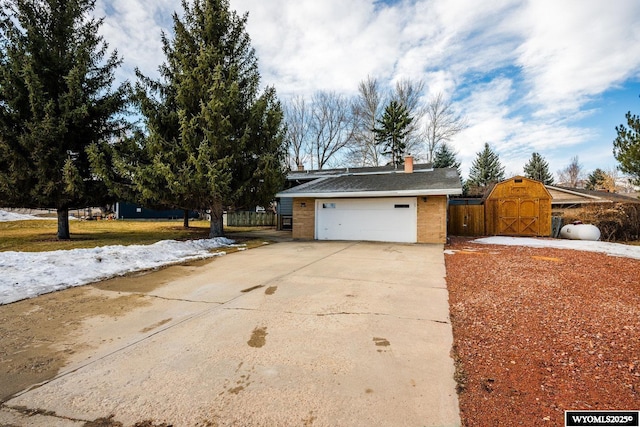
{"type": "Point", "coordinates": [367, 170]}
{"type": "Point", "coordinates": [573, 192]}
{"type": "Point", "coordinates": [361, 194]}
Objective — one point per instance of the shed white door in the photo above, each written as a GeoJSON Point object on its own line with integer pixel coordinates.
{"type": "Point", "coordinates": [383, 219]}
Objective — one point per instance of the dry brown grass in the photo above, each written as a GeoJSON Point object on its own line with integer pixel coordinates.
{"type": "Point", "coordinates": [40, 235]}
{"type": "Point", "coordinates": [616, 221]}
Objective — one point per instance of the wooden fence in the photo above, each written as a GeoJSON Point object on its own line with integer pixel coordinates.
{"type": "Point", "coordinates": [251, 219]}
{"type": "Point", "coordinates": [466, 220]}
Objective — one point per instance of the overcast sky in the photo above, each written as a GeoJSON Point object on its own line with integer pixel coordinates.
{"type": "Point", "coordinates": [552, 76]}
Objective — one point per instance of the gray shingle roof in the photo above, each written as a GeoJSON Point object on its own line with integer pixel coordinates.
{"type": "Point", "coordinates": [432, 182]}
{"type": "Point", "coordinates": [305, 175]}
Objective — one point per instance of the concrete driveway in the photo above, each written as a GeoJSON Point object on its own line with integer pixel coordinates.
{"type": "Point", "coordinates": [290, 334]}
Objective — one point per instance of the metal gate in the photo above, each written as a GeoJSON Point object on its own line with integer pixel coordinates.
{"type": "Point", "coordinates": [518, 217]}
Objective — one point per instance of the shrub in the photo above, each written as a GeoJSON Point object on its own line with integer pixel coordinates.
{"type": "Point", "coordinates": [616, 221]}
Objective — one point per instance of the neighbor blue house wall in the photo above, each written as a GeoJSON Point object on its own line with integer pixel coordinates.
{"type": "Point", "coordinates": [125, 210]}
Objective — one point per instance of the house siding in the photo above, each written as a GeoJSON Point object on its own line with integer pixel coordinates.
{"type": "Point", "coordinates": [432, 219]}
{"type": "Point", "coordinates": [304, 218]}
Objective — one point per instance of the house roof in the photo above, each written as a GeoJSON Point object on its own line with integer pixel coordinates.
{"type": "Point", "coordinates": [444, 181]}
{"type": "Point", "coordinates": [564, 195]}
{"type": "Point", "coordinates": [306, 175]}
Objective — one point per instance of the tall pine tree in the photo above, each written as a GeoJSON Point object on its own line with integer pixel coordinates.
{"type": "Point", "coordinates": [596, 180]}
{"type": "Point", "coordinates": [56, 99]}
{"type": "Point", "coordinates": [537, 168]}
{"type": "Point", "coordinates": [213, 141]}
{"type": "Point", "coordinates": [445, 157]}
{"type": "Point", "coordinates": [392, 130]}
{"type": "Point", "coordinates": [626, 147]}
{"type": "Point", "coordinates": [485, 169]}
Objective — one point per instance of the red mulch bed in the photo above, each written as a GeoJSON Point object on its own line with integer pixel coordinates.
{"type": "Point", "coordinates": [540, 331]}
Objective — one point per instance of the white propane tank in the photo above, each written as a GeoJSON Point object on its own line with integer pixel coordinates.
{"type": "Point", "coordinates": [580, 231]}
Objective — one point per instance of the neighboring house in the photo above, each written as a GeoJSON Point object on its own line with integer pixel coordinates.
{"type": "Point", "coordinates": [567, 198]}
{"type": "Point", "coordinates": [375, 204]}
{"type": "Point", "coordinates": [124, 210]}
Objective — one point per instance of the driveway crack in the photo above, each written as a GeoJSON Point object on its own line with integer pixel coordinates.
{"type": "Point", "coordinates": [182, 299]}
{"type": "Point", "coordinates": [339, 313]}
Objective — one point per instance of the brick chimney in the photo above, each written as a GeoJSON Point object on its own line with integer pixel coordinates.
{"type": "Point", "coordinates": [300, 167]}
{"type": "Point", "coordinates": [408, 164]}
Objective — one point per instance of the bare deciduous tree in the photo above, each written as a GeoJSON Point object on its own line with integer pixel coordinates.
{"type": "Point", "coordinates": [572, 174]}
{"type": "Point", "coordinates": [298, 121]}
{"type": "Point", "coordinates": [319, 129]}
{"type": "Point", "coordinates": [367, 109]}
{"type": "Point", "coordinates": [332, 126]}
{"type": "Point", "coordinates": [443, 123]}
{"type": "Point", "coordinates": [409, 92]}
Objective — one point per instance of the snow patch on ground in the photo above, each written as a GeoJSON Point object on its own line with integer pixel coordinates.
{"type": "Point", "coordinates": [11, 216]}
{"type": "Point", "coordinates": [613, 249]}
{"type": "Point", "coordinates": [28, 274]}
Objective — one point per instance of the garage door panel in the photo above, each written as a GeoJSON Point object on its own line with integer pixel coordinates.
{"type": "Point", "coordinates": [389, 219]}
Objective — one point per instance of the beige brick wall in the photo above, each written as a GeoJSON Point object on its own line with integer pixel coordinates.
{"type": "Point", "coordinates": [304, 218]}
{"type": "Point", "coordinates": [432, 219]}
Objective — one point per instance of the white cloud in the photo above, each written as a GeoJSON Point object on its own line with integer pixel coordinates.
{"type": "Point", "coordinates": [133, 27]}
{"type": "Point", "coordinates": [576, 49]}
{"type": "Point", "coordinates": [521, 70]}
{"type": "Point", "coordinates": [308, 45]}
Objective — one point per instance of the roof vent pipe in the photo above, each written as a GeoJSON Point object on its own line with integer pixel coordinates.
{"type": "Point", "coordinates": [408, 164]}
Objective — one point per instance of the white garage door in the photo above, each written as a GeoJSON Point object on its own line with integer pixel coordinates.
{"type": "Point", "coordinates": [383, 220]}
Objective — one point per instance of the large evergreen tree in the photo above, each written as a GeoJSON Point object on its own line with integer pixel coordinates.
{"type": "Point", "coordinates": [445, 157]}
{"type": "Point", "coordinates": [212, 140]}
{"type": "Point", "coordinates": [56, 99]}
{"type": "Point", "coordinates": [626, 147]}
{"type": "Point", "coordinates": [537, 168]}
{"type": "Point", "coordinates": [392, 130]}
{"type": "Point", "coordinates": [485, 169]}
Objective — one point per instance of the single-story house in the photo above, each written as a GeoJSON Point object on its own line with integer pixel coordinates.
{"type": "Point", "coordinates": [126, 210]}
{"type": "Point", "coordinates": [376, 204]}
{"type": "Point", "coordinates": [568, 198]}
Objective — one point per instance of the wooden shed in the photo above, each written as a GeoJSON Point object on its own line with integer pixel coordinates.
{"type": "Point", "coordinates": [518, 206]}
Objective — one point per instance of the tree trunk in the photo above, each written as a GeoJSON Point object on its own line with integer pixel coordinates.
{"type": "Point", "coordinates": [216, 229]}
{"type": "Point", "coordinates": [63, 224]}
{"type": "Point", "coordinates": [185, 222]}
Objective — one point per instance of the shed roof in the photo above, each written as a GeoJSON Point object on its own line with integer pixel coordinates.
{"type": "Point", "coordinates": [533, 187]}
{"type": "Point", "coordinates": [445, 181]}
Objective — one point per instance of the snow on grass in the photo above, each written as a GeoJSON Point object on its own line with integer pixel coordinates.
{"type": "Point", "coordinates": [28, 274]}
{"type": "Point", "coordinates": [11, 216]}
{"type": "Point", "coordinates": [613, 249]}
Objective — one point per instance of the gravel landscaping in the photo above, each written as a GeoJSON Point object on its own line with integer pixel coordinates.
{"type": "Point", "coordinates": [538, 331]}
